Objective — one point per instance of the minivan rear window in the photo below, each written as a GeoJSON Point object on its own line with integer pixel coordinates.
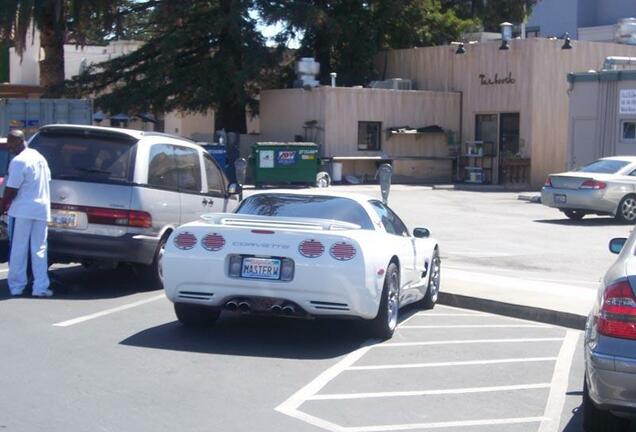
{"type": "Point", "coordinates": [97, 157]}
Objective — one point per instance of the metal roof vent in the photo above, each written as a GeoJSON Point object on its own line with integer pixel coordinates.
{"type": "Point", "coordinates": [626, 31]}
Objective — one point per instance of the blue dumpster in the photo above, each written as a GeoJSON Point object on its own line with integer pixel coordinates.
{"type": "Point", "coordinates": [218, 152]}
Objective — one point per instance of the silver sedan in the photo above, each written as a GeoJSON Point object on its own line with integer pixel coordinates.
{"type": "Point", "coordinates": [604, 187]}
{"type": "Point", "coordinates": [609, 391]}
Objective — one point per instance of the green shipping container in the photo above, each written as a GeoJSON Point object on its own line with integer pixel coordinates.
{"type": "Point", "coordinates": [284, 163]}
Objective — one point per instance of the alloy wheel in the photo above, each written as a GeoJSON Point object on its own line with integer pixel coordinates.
{"type": "Point", "coordinates": [435, 279]}
{"type": "Point", "coordinates": [629, 209]}
{"type": "Point", "coordinates": [393, 300]}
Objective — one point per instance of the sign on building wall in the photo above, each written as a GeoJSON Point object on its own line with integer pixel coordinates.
{"type": "Point", "coordinates": [627, 104]}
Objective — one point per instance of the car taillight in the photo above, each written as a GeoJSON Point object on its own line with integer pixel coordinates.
{"type": "Point", "coordinates": [617, 317]}
{"type": "Point", "coordinates": [185, 240]}
{"type": "Point", "coordinates": [110, 216]}
{"type": "Point", "coordinates": [311, 248]}
{"type": "Point", "coordinates": [286, 269]}
{"type": "Point", "coordinates": [213, 242]}
{"type": "Point", "coordinates": [548, 182]}
{"type": "Point", "coordinates": [342, 251]}
{"type": "Point", "coordinates": [593, 184]}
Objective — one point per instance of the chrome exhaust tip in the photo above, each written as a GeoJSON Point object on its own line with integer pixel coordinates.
{"type": "Point", "coordinates": [276, 309]}
{"type": "Point", "coordinates": [289, 310]}
{"type": "Point", "coordinates": [244, 306]}
{"type": "Point", "coordinates": [231, 305]}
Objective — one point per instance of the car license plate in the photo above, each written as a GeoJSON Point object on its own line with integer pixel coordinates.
{"type": "Point", "coordinates": [64, 219]}
{"type": "Point", "coordinates": [560, 198]}
{"type": "Point", "coordinates": [260, 268]}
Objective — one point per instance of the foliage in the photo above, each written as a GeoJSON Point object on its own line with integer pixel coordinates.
{"type": "Point", "coordinates": [204, 54]}
{"type": "Point", "coordinates": [491, 13]}
{"type": "Point", "coordinates": [344, 36]}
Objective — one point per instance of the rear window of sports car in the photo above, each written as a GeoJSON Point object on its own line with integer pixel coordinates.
{"type": "Point", "coordinates": [307, 206]}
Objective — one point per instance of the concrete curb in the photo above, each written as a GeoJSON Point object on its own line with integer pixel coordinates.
{"type": "Point", "coordinates": [563, 319]}
{"type": "Point", "coordinates": [532, 197]}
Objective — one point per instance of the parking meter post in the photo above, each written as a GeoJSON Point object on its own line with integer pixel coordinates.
{"type": "Point", "coordinates": [384, 173]}
{"type": "Point", "coordinates": [240, 167]}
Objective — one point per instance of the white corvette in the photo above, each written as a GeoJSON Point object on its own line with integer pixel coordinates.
{"type": "Point", "coordinates": [304, 254]}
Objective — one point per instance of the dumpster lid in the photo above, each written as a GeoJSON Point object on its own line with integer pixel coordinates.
{"type": "Point", "coordinates": [292, 144]}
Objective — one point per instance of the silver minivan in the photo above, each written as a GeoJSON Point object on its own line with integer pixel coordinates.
{"type": "Point", "coordinates": [117, 194]}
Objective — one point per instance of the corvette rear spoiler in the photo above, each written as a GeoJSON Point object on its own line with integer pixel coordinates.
{"type": "Point", "coordinates": [272, 222]}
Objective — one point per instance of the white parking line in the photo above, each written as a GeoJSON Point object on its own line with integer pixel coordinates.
{"type": "Point", "coordinates": [457, 363]}
{"type": "Point", "coordinates": [342, 396]}
{"type": "Point", "coordinates": [107, 311]}
{"type": "Point", "coordinates": [474, 326]}
{"type": "Point", "coordinates": [439, 425]}
{"type": "Point", "coordinates": [559, 387]}
{"type": "Point", "coordinates": [290, 406]}
{"type": "Point", "coordinates": [468, 341]}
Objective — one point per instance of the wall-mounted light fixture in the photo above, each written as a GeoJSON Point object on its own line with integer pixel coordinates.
{"type": "Point", "coordinates": [460, 49]}
{"type": "Point", "coordinates": [567, 42]}
{"type": "Point", "coordinates": [504, 45]}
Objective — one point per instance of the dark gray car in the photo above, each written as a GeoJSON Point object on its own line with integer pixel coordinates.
{"type": "Point", "coordinates": [609, 399]}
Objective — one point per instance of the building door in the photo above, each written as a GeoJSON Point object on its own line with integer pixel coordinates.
{"type": "Point", "coordinates": [508, 146]}
{"type": "Point", "coordinates": [486, 127]}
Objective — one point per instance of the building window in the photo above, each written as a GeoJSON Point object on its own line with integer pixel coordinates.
{"type": "Point", "coordinates": [629, 130]}
{"type": "Point", "coordinates": [369, 135]}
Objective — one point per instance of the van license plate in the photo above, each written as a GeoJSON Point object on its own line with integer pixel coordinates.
{"type": "Point", "coordinates": [64, 219]}
{"type": "Point", "coordinates": [560, 198]}
{"type": "Point", "coordinates": [261, 268]}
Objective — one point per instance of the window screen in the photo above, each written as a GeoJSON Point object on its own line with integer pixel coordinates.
{"type": "Point", "coordinates": [369, 135]}
{"type": "Point", "coordinates": [629, 130]}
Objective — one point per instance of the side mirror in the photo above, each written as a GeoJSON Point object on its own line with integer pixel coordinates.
{"type": "Point", "coordinates": [234, 189]}
{"type": "Point", "coordinates": [616, 245]}
{"type": "Point", "coordinates": [421, 233]}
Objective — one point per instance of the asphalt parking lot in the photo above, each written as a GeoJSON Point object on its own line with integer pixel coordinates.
{"type": "Point", "coordinates": [107, 354]}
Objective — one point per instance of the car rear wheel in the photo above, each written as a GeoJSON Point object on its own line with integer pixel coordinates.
{"type": "Point", "coordinates": [153, 274]}
{"type": "Point", "coordinates": [597, 420]}
{"type": "Point", "coordinates": [195, 316]}
{"type": "Point", "coordinates": [574, 214]}
{"type": "Point", "coordinates": [627, 210]}
{"type": "Point", "coordinates": [432, 292]}
{"type": "Point", "coordinates": [385, 322]}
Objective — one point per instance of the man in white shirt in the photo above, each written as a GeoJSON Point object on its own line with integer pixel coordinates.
{"type": "Point", "coordinates": [27, 198]}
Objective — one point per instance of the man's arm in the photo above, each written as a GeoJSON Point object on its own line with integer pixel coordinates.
{"type": "Point", "coordinates": [7, 198]}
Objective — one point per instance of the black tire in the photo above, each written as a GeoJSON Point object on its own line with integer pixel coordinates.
{"type": "Point", "coordinates": [626, 212]}
{"type": "Point", "coordinates": [196, 316]}
{"type": "Point", "coordinates": [153, 274]}
{"type": "Point", "coordinates": [597, 420]}
{"type": "Point", "coordinates": [574, 214]}
{"type": "Point", "coordinates": [432, 291]}
{"type": "Point", "coordinates": [385, 322]}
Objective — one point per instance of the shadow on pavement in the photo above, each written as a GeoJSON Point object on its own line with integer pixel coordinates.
{"type": "Point", "coordinates": [260, 336]}
{"type": "Point", "coordinates": [78, 283]}
{"type": "Point", "coordinates": [576, 421]}
{"type": "Point", "coordinates": [598, 221]}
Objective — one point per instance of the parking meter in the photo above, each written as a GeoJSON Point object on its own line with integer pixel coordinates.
{"type": "Point", "coordinates": [240, 168]}
{"type": "Point", "coordinates": [384, 172]}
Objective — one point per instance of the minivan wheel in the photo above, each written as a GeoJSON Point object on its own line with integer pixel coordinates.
{"type": "Point", "coordinates": [153, 274]}
{"type": "Point", "coordinates": [627, 210]}
{"type": "Point", "coordinates": [191, 315]}
{"type": "Point", "coordinates": [597, 420]}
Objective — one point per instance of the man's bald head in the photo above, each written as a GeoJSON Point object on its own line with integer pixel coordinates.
{"type": "Point", "coordinates": [15, 141]}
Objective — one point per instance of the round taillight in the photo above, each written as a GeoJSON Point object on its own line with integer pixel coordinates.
{"type": "Point", "coordinates": [185, 240]}
{"type": "Point", "coordinates": [213, 242]}
{"type": "Point", "coordinates": [311, 248]}
{"type": "Point", "coordinates": [342, 251]}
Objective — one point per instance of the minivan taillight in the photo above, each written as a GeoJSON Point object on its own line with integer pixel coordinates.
{"type": "Point", "coordinates": [110, 216]}
{"type": "Point", "coordinates": [617, 317]}
{"type": "Point", "coordinates": [548, 182]}
{"type": "Point", "coordinates": [593, 184]}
